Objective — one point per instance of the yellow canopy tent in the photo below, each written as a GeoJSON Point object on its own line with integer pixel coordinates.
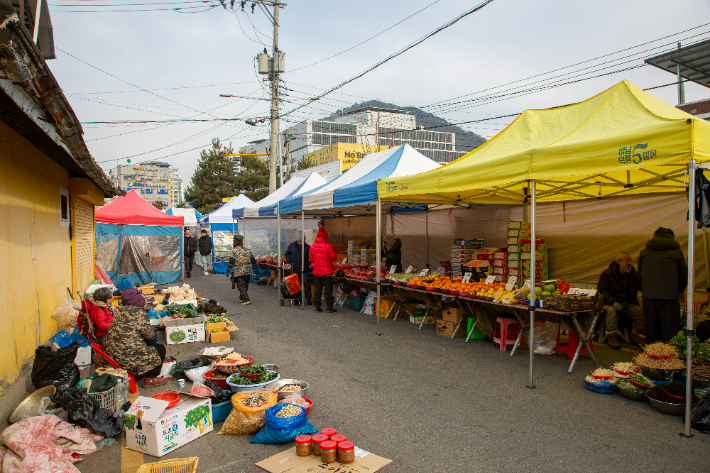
{"type": "Point", "coordinates": [622, 141]}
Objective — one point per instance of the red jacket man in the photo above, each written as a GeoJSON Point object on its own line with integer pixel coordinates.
{"type": "Point", "coordinates": [322, 256]}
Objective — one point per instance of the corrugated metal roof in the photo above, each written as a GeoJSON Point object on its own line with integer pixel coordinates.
{"type": "Point", "coordinates": [694, 62]}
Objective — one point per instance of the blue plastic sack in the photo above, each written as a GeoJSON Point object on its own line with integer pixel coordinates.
{"type": "Point", "coordinates": [278, 430]}
{"type": "Point", "coordinates": [62, 339]}
{"type": "Point", "coordinates": [153, 314]}
{"type": "Point", "coordinates": [76, 336]}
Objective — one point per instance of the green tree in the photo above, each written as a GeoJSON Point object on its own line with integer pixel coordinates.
{"type": "Point", "coordinates": [253, 179]}
{"type": "Point", "coordinates": [213, 179]}
{"type": "Point", "coordinates": [304, 163]}
{"type": "Point", "coordinates": [158, 205]}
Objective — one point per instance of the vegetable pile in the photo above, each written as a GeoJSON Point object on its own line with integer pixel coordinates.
{"type": "Point", "coordinates": [215, 319]}
{"type": "Point", "coordinates": [254, 400]}
{"type": "Point", "coordinates": [289, 411]}
{"type": "Point", "coordinates": [701, 352]}
{"type": "Point", "coordinates": [181, 294]}
{"type": "Point", "coordinates": [211, 307]}
{"type": "Point", "coordinates": [626, 385]}
{"type": "Point", "coordinates": [242, 381]}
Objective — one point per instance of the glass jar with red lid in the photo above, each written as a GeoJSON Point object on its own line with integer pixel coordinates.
{"type": "Point", "coordinates": [346, 452]}
{"type": "Point", "coordinates": [328, 451]}
{"type": "Point", "coordinates": [329, 432]}
{"type": "Point", "coordinates": [316, 440]}
{"type": "Point", "coordinates": [338, 438]}
{"type": "Point", "coordinates": [304, 445]}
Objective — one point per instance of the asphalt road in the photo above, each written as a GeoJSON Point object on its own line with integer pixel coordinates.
{"type": "Point", "coordinates": [429, 403]}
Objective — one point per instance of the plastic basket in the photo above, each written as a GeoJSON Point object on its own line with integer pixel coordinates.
{"type": "Point", "coordinates": [106, 399]}
{"type": "Point", "coordinates": [355, 302]}
{"type": "Point", "coordinates": [221, 411]}
{"type": "Point", "coordinates": [602, 387]}
{"type": "Point", "coordinates": [180, 465]}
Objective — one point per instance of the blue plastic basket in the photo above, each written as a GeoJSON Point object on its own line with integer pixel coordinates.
{"type": "Point", "coordinates": [221, 411]}
{"type": "Point", "coordinates": [602, 387]}
{"type": "Point", "coordinates": [355, 302]}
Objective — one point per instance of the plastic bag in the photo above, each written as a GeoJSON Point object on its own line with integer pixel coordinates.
{"type": "Point", "coordinates": [55, 367]}
{"type": "Point", "coordinates": [700, 415]}
{"type": "Point", "coordinates": [295, 398]}
{"type": "Point", "coordinates": [66, 313]}
{"type": "Point", "coordinates": [41, 409]}
{"type": "Point", "coordinates": [545, 338]}
{"type": "Point", "coordinates": [282, 430]}
{"type": "Point", "coordinates": [84, 410]}
{"type": "Point", "coordinates": [197, 375]}
{"type": "Point", "coordinates": [244, 419]}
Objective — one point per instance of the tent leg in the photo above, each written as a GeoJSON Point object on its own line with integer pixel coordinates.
{"type": "Point", "coordinates": [691, 293]}
{"type": "Point", "coordinates": [341, 229]}
{"type": "Point", "coordinates": [303, 257]}
{"type": "Point", "coordinates": [278, 256]}
{"type": "Point", "coordinates": [707, 261]}
{"type": "Point", "coordinates": [378, 252]}
{"type": "Point", "coordinates": [426, 238]}
{"type": "Point", "coordinates": [533, 246]}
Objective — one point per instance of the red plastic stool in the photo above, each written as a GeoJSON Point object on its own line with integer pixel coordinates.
{"type": "Point", "coordinates": [99, 352]}
{"type": "Point", "coordinates": [571, 346]}
{"type": "Point", "coordinates": [501, 335]}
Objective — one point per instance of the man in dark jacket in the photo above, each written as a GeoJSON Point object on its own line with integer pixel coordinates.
{"type": "Point", "coordinates": [293, 257]}
{"type": "Point", "coordinates": [205, 246]}
{"type": "Point", "coordinates": [619, 285]}
{"type": "Point", "coordinates": [664, 278]}
{"type": "Point", "coordinates": [190, 249]}
{"type": "Point", "coordinates": [392, 252]}
{"type": "Point", "coordinates": [322, 254]}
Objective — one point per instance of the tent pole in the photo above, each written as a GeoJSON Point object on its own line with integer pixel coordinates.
{"type": "Point", "coordinates": [341, 228]}
{"type": "Point", "coordinates": [392, 221]}
{"type": "Point", "coordinates": [303, 260]}
{"type": "Point", "coordinates": [426, 238]}
{"type": "Point", "coordinates": [690, 301]}
{"type": "Point", "coordinates": [533, 247]}
{"type": "Point", "coordinates": [378, 252]}
{"type": "Point", "coordinates": [707, 261]}
{"type": "Point", "coordinates": [278, 256]}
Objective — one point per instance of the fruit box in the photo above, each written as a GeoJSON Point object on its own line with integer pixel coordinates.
{"type": "Point", "coordinates": [154, 429]}
{"type": "Point", "coordinates": [518, 225]}
{"type": "Point", "coordinates": [453, 314]}
{"type": "Point", "coordinates": [217, 337]}
{"type": "Point", "coordinates": [430, 320]}
{"type": "Point", "coordinates": [185, 334]}
{"type": "Point", "coordinates": [446, 329]}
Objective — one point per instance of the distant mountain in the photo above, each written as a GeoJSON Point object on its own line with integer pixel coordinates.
{"type": "Point", "coordinates": [465, 140]}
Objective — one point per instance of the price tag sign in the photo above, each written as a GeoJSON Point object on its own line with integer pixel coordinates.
{"type": "Point", "coordinates": [512, 281]}
{"type": "Point", "coordinates": [393, 268]}
{"type": "Point", "coordinates": [424, 271]}
{"type": "Point", "coordinates": [345, 260]}
{"type": "Point", "coordinates": [575, 291]}
{"type": "Point", "coordinates": [490, 279]}
{"type": "Point", "coordinates": [408, 270]}
{"type": "Point", "coordinates": [466, 278]}
{"type": "Point", "coordinates": [526, 284]}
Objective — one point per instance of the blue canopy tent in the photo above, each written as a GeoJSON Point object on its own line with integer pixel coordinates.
{"type": "Point", "coordinates": [136, 241]}
{"type": "Point", "coordinates": [222, 228]}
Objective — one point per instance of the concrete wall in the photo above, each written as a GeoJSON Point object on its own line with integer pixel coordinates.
{"type": "Point", "coordinates": [35, 248]}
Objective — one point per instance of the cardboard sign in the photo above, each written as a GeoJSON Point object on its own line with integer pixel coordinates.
{"type": "Point", "coordinates": [512, 281]}
{"type": "Point", "coordinates": [466, 278]}
{"type": "Point", "coordinates": [491, 279]}
{"type": "Point", "coordinates": [289, 462]}
{"type": "Point", "coordinates": [424, 271]}
{"type": "Point", "coordinates": [409, 270]}
{"type": "Point", "coordinates": [393, 268]}
{"type": "Point", "coordinates": [526, 284]}
{"type": "Point", "coordinates": [575, 291]}
{"type": "Point", "coordinates": [345, 260]}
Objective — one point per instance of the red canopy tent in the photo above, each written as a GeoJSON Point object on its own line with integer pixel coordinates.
{"type": "Point", "coordinates": [132, 209]}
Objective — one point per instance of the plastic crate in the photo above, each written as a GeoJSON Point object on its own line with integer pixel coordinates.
{"type": "Point", "coordinates": [180, 465]}
{"type": "Point", "coordinates": [355, 302]}
{"type": "Point", "coordinates": [385, 306]}
{"type": "Point", "coordinates": [221, 411]}
{"type": "Point", "coordinates": [106, 399]}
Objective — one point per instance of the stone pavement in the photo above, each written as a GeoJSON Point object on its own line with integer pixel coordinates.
{"type": "Point", "coordinates": [429, 403]}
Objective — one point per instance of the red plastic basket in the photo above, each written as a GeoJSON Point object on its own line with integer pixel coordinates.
{"type": "Point", "coordinates": [172, 398]}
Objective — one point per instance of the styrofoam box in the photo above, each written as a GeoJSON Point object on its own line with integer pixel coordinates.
{"type": "Point", "coordinates": [83, 356]}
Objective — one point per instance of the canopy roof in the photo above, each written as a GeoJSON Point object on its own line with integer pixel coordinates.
{"type": "Point", "coordinates": [356, 189]}
{"type": "Point", "coordinates": [132, 209]}
{"type": "Point", "coordinates": [623, 141]}
{"type": "Point", "coordinates": [191, 215]}
{"type": "Point", "coordinates": [266, 207]}
{"type": "Point", "coordinates": [693, 61]}
{"type": "Point", "coordinates": [223, 214]}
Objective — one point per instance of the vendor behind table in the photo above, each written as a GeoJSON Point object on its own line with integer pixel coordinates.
{"type": "Point", "coordinates": [619, 285]}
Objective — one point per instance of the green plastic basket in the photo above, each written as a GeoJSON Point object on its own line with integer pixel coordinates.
{"type": "Point", "coordinates": [355, 302]}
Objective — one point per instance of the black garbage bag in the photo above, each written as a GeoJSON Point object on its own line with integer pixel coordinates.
{"type": "Point", "coordinates": [700, 414]}
{"type": "Point", "coordinates": [220, 395]}
{"type": "Point", "coordinates": [84, 410]}
{"type": "Point", "coordinates": [55, 367]}
{"type": "Point", "coordinates": [178, 370]}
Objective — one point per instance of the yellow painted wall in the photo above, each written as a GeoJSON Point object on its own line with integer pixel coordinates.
{"type": "Point", "coordinates": [36, 249]}
{"type": "Point", "coordinates": [349, 153]}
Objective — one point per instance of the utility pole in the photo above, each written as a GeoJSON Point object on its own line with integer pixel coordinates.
{"type": "Point", "coordinates": [275, 67]}
{"type": "Point", "coordinates": [681, 86]}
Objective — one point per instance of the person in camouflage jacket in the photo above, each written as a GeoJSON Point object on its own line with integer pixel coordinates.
{"type": "Point", "coordinates": [131, 341]}
{"type": "Point", "coordinates": [241, 264]}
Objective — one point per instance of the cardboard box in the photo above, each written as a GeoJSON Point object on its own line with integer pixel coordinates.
{"type": "Point", "coordinates": [217, 337]}
{"type": "Point", "coordinates": [499, 270]}
{"type": "Point", "coordinates": [446, 328]}
{"type": "Point", "coordinates": [513, 256]}
{"type": "Point", "coordinates": [153, 429]}
{"type": "Point", "coordinates": [218, 326]}
{"type": "Point", "coordinates": [147, 289]}
{"type": "Point", "coordinates": [513, 272]}
{"type": "Point", "coordinates": [190, 333]}
{"type": "Point", "coordinates": [518, 225]}
{"type": "Point", "coordinates": [498, 278]}
{"type": "Point", "coordinates": [514, 264]}
{"type": "Point", "coordinates": [512, 241]}
{"type": "Point", "coordinates": [169, 322]}
{"type": "Point", "coordinates": [430, 320]}
{"type": "Point", "coordinates": [513, 248]}
{"type": "Point", "coordinates": [453, 314]}
{"type": "Point", "coordinates": [499, 255]}
{"type": "Point", "coordinates": [498, 263]}
{"type": "Point", "coordinates": [288, 462]}
{"type": "Point", "coordinates": [83, 356]}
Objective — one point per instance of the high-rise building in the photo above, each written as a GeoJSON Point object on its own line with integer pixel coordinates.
{"type": "Point", "coordinates": [152, 180]}
{"type": "Point", "coordinates": [176, 191]}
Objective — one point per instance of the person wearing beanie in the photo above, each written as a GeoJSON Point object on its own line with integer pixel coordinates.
{"type": "Point", "coordinates": [97, 313]}
{"type": "Point", "coordinates": [322, 256]}
{"type": "Point", "coordinates": [241, 265]}
{"type": "Point", "coordinates": [132, 342]}
{"type": "Point", "coordinates": [189, 250]}
{"type": "Point", "coordinates": [663, 276]}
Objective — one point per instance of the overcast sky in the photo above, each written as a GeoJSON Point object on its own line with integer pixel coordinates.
{"type": "Point", "coordinates": [187, 59]}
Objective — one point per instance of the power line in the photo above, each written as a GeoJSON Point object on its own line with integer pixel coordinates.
{"type": "Point", "coordinates": [176, 9]}
{"type": "Point", "coordinates": [164, 88]}
{"type": "Point", "coordinates": [368, 39]}
{"type": "Point", "coordinates": [398, 53]}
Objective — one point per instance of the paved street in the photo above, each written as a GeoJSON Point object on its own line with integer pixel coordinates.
{"type": "Point", "coordinates": [429, 403]}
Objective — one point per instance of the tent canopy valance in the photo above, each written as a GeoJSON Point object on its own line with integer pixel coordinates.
{"type": "Point", "coordinates": [189, 214]}
{"type": "Point", "coordinates": [355, 191]}
{"type": "Point", "coordinates": [266, 207]}
{"type": "Point", "coordinates": [622, 141]}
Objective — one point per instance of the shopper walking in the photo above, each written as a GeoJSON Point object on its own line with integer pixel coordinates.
{"type": "Point", "coordinates": [205, 246]}
{"type": "Point", "coordinates": [663, 275]}
{"type": "Point", "coordinates": [322, 256]}
{"type": "Point", "coordinates": [241, 265]}
{"type": "Point", "coordinates": [293, 257]}
{"type": "Point", "coordinates": [189, 251]}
